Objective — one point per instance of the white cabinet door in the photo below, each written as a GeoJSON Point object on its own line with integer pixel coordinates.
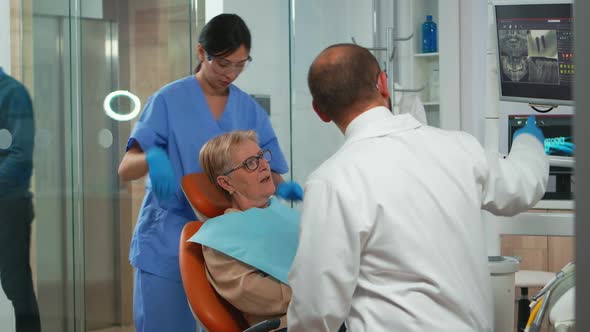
{"type": "Point", "coordinates": [437, 73]}
{"type": "Point", "coordinates": [449, 62]}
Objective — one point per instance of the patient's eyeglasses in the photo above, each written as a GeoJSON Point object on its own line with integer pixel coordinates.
{"type": "Point", "coordinates": [224, 66]}
{"type": "Point", "coordinates": [251, 163]}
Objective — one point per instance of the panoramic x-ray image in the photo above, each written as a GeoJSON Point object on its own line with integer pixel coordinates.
{"type": "Point", "coordinates": [528, 56]}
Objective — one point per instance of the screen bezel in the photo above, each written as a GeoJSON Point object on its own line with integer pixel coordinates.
{"type": "Point", "coordinates": [529, 100]}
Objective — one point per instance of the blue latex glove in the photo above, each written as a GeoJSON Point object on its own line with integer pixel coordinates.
{"type": "Point", "coordinates": [531, 128]}
{"type": "Point", "coordinates": [161, 173]}
{"type": "Point", "coordinates": [290, 190]}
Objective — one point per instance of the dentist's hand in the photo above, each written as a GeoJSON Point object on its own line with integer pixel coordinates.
{"type": "Point", "coordinates": [161, 173]}
{"type": "Point", "coordinates": [532, 129]}
{"type": "Point", "coordinates": [290, 190]}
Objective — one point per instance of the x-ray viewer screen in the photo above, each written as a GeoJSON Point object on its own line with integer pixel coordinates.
{"type": "Point", "coordinates": [535, 52]}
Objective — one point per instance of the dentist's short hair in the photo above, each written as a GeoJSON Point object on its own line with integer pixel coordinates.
{"type": "Point", "coordinates": [342, 76]}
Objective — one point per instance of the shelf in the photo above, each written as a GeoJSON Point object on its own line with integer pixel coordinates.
{"type": "Point", "coordinates": [426, 55]}
{"type": "Point", "coordinates": [431, 103]}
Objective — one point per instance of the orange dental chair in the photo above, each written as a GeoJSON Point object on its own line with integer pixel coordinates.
{"type": "Point", "coordinates": [213, 312]}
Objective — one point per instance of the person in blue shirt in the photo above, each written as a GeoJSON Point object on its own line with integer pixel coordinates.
{"type": "Point", "coordinates": [165, 143]}
{"type": "Point", "coordinates": [17, 135]}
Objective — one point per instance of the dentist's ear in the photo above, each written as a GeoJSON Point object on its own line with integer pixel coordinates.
{"type": "Point", "coordinates": [321, 114]}
{"type": "Point", "coordinates": [382, 85]}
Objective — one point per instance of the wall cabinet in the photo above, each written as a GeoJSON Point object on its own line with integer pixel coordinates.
{"type": "Point", "coordinates": [436, 75]}
{"type": "Point", "coordinates": [427, 71]}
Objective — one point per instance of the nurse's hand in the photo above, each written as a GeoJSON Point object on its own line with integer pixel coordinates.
{"type": "Point", "coordinates": [290, 190]}
{"type": "Point", "coordinates": [161, 173]}
{"type": "Point", "coordinates": [532, 129]}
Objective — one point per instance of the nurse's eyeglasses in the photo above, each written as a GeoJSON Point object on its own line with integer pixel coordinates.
{"type": "Point", "coordinates": [251, 164]}
{"type": "Point", "coordinates": [224, 66]}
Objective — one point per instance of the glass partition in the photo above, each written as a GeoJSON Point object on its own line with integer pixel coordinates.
{"type": "Point", "coordinates": [389, 29]}
{"type": "Point", "coordinates": [316, 25]}
{"type": "Point", "coordinates": [287, 35]}
{"type": "Point", "coordinates": [72, 55]}
{"type": "Point", "coordinates": [136, 47]}
{"type": "Point", "coordinates": [268, 76]}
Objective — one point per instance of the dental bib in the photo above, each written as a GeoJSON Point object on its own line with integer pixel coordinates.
{"type": "Point", "coordinates": [265, 239]}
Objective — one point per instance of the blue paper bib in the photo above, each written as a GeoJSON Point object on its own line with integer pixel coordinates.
{"type": "Point", "coordinates": [266, 239]}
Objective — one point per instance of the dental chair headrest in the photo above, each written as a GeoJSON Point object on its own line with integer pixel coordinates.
{"type": "Point", "coordinates": [207, 201]}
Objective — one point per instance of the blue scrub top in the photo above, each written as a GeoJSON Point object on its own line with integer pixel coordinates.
{"type": "Point", "coordinates": [177, 119]}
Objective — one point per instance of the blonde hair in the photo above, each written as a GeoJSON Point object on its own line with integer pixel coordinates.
{"type": "Point", "coordinates": [215, 155]}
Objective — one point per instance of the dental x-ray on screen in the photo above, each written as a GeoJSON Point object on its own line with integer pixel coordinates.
{"type": "Point", "coordinates": [535, 52]}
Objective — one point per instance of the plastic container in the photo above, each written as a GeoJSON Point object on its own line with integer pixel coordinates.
{"type": "Point", "coordinates": [429, 36]}
{"type": "Point", "coordinates": [503, 269]}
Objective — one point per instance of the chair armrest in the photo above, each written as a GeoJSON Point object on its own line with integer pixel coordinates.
{"type": "Point", "coordinates": [264, 326]}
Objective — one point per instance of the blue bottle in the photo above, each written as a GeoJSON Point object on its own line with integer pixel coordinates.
{"type": "Point", "coordinates": [429, 43]}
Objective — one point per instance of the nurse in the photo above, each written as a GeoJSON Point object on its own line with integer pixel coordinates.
{"type": "Point", "coordinates": [165, 143]}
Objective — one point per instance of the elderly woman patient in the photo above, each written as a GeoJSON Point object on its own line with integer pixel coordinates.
{"type": "Point", "coordinates": [248, 251]}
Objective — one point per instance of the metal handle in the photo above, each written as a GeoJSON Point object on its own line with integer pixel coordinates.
{"type": "Point", "coordinates": [424, 85]}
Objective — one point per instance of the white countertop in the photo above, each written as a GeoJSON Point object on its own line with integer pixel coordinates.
{"type": "Point", "coordinates": [535, 222]}
{"type": "Point", "coordinates": [538, 223]}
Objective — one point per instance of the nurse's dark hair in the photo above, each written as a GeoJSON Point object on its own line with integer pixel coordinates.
{"type": "Point", "coordinates": [223, 35]}
{"type": "Point", "coordinates": [344, 78]}
{"type": "Point", "coordinates": [215, 156]}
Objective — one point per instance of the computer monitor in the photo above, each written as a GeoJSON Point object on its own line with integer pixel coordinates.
{"type": "Point", "coordinates": [535, 52]}
{"type": "Point", "coordinates": [559, 141]}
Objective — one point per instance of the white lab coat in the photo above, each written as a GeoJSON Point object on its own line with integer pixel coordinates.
{"type": "Point", "coordinates": [391, 237]}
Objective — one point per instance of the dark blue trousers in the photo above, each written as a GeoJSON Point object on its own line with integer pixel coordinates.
{"type": "Point", "coordinates": [16, 216]}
